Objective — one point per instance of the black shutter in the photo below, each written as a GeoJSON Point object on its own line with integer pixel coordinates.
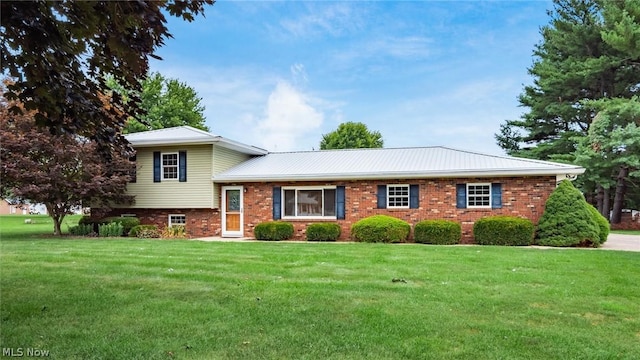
{"type": "Point", "coordinates": [277, 196]}
{"type": "Point", "coordinates": [382, 196]}
{"type": "Point", "coordinates": [496, 196]}
{"type": "Point", "coordinates": [461, 196]}
{"type": "Point", "coordinates": [182, 166]}
{"type": "Point", "coordinates": [414, 196]}
{"type": "Point", "coordinates": [340, 203]}
{"type": "Point", "coordinates": [156, 167]}
{"type": "Point", "coordinates": [134, 171]}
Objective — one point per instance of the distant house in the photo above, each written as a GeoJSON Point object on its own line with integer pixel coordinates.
{"type": "Point", "coordinates": [11, 208]}
{"type": "Point", "coordinates": [218, 187]}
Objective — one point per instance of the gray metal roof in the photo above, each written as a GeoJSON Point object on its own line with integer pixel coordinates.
{"type": "Point", "coordinates": [187, 135]}
{"type": "Point", "coordinates": [401, 163]}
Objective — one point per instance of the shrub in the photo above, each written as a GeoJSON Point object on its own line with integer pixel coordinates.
{"type": "Point", "coordinates": [82, 230]}
{"type": "Point", "coordinates": [273, 230]}
{"type": "Point", "coordinates": [503, 230]}
{"type": "Point", "coordinates": [440, 232]}
{"type": "Point", "coordinates": [113, 229]}
{"type": "Point", "coordinates": [174, 232]}
{"type": "Point", "coordinates": [603, 224]}
{"type": "Point", "coordinates": [380, 228]}
{"type": "Point", "coordinates": [127, 222]}
{"type": "Point", "coordinates": [323, 232]}
{"type": "Point", "coordinates": [144, 231]}
{"type": "Point", "coordinates": [567, 220]}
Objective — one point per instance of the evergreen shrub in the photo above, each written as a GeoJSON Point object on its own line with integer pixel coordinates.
{"type": "Point", "coordinates": [380, 228]}
{"type": "Point", "coordinates": [603, 224]}
{"type": "Point", "coordinates": [273, 230]}
{"type": "Point", "coordinates": [323, 232]}
{"type": "Point", "coordinates": [567, 220]}
{"type": "Point", "coordinates": [440, 232]}
{"type": "Point", "coordinates": [144, 231]}
{"type": "Point", "coordinates": [503, 230]}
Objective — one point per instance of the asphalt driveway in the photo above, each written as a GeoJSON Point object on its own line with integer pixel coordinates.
{"type": "Point", "coordinates": [622, 242]}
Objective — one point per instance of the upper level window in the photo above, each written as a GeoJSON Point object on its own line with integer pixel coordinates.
{"type": "Point", "coordinates": [309, 202]}
{"type": "Point", "coordinates": [170, 166]}
{"type": "Point", "coordinates": [397, 196]}
{"type": "Point", "coordinates": [479, 195]}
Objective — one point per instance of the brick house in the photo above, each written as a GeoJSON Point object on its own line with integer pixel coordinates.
{"type": "Point", "coordinates": [218, 187]}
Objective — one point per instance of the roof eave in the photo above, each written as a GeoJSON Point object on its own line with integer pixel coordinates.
{"type": "Point", "coordinates": [230, 144]}
{"type": "Point", "coordinates": [402, 175]}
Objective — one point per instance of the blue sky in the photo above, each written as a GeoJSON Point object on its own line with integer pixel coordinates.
{"type": "Point", "coordinates": [280, 74]}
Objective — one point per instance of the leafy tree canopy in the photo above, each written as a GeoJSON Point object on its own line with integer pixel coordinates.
{"type": "Point", "coordinates": [59, 51]}
{"type": "Point", "coordinates": [351, 135]}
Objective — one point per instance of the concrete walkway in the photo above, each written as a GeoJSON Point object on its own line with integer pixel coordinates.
{"type": "Point", "coordinates": [614, 242]}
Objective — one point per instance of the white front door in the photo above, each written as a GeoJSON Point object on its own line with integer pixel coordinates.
{"type": "Point", "coordinates": [232, 217]}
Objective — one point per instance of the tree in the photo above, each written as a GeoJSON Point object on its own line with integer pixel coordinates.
{"type": "Point", "coordinates": [59, 52]}
{"type": "Point", "coordinates": [165, 103]}
{"type": "Point", "coordinates": [351, 135]}
{"type": "Point", "coordinates": [61, 171]}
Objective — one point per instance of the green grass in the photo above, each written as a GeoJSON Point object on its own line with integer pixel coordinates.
{"type": "Point", "coordinates": [626, 232]}
{"type": "Point", "coordinates": [166, 299]}
{"type": "Point", "coordinates": [14, 226]}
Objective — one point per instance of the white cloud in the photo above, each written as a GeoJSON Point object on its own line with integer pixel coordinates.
{"type": "Point", "coordinates": [334, 19]}
{"type": "Point", "coordinates": [289, 117]}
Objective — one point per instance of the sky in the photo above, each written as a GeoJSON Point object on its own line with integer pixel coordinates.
{"type": "Point", "coordinates": [279, 75]}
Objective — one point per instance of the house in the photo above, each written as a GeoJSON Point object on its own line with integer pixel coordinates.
{"type": "Point", "coordinates": [218, 187]}
{"type": "Point", "coordinates": [8, 207]}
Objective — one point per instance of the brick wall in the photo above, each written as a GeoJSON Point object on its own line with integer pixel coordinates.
{"type": "Point", "coordinates": [200, 222]}
{"type": "Point", "coordinates": [521, 196]}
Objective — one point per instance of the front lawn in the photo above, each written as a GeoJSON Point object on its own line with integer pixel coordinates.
{"type": "Point", "coordinates": [165, 299]}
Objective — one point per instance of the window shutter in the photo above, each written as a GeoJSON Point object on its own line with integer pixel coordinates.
{"type": "Point", "coordinates": [134, 171]}
{"type": "Point", "coordinates": [496, 196]}
{"type": "Point", "coordinates": [277, 196]}
{"type": "Point", "coordinates": [340, 203]}
{"type": "Point", "coordinates": [157, 168]}
{"type": "Point", "coordinates": [382, 196]}
{"type": "Point", "coordinates": [182, 166]}
{"type": "Point", "coordinates": [461, 196]}
{"type": "Point", "coordinates": [414, 196]}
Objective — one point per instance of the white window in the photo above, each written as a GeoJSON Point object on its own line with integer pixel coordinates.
{"type": "Point", "coordinates": [397, 196]}
{"type": "Point", "coordinates": [309, 202]}
{"type": "Point", "coordinates": [479, 195]}
{"type": "Point", "coordinates": [170, 166]}
{"type": "Point", "coordinates": [177, 219]}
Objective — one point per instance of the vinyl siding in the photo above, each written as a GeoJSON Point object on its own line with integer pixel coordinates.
{"type": "Point", "coordinates": [224, 159]}
{"type": "Point", "coordinates": [196, 192]}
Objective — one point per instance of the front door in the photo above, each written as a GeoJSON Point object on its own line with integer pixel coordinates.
{"type": "Point", "coordinates": [232, 221]}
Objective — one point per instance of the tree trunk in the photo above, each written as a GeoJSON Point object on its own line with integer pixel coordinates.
{"type": "Point", "coordinates": [606, 204]}
{"type": "Point", "coordinates": [599, 199]}
{"type": "Point", "coordinates": [56, 216]}
{"type": "Point", "coordinates": [618, 201]}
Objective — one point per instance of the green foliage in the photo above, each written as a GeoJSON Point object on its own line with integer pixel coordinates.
{"type": "Point", "coordinates": [113, 229]}
{"type": "Point", "coordinates": [273, 230]}
{"type": "Point", "coordinates": [351, 135]}
{"type": "Point", "coordinates": [603, 224]}
{"type": "Point", "coordinates": [82, 230]}
{"type": "Point", "coordinates": [174, 232]}
{"type": "Point", "coordinates": [440, 232]}
{"type": "Point", "coordinates": [144, 231]}
{"type": "Point", "coordinates": [380, 228]}
{"type": "Point", "coordinates": [567, 220]}
{"type": "Point", "coordinates": [503, 230]}
{"type": "Point", "coordinates": [323, 232]}
{"type": "Point", "coordinates": [127, 222]}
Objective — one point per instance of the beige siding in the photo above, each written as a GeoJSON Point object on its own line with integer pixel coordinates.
{"type": "Point", "coordinates": [224, 159]}
{"type": "Point", "coordinates": [196, 192]}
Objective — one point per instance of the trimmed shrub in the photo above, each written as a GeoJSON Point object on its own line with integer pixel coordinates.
{"type": "Point", "coordinates": [144, 231]}
{"type": "Point", "coordinates": [113, 229]}
{"type": "Point", "coordinates": [82, 230]}
{"type": "Point", "coordinates": [273, 230]}
{"type": "Point", "coordinates": [440, 232]}
{"type": "Point", "coordinates": [127, 222]}
{"type": "Point", "coordinates": [380, 228]}
{"type": "Point", "coordinates": [567, 220]}
{"type": "Point", "coordinates": [503, 230]}
{"type": "Point", "coordinates": [323, 232]}
{"type": "Point", "coordinates": [603, 224]}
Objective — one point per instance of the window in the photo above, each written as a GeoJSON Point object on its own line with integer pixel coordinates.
{"type": "Point", "coordinates": [479, 195]}
{"type": "Point", "coordinates": [397, 196]}
{"type": "Point", "coordinates": [170, 166]}
{"type": "Point", "coordinates": [309, 202]}
{"type": "Point", "coordinates": [127, 215]}
{"type": "Point", "coordinates": [177, 219]}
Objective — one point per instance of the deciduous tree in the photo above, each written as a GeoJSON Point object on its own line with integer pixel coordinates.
{"type": "Point", "coordinates": [351, 135]}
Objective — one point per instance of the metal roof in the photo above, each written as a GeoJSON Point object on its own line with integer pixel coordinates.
{"type": "Point", "coordinates": [388, 163]}
{"type": "Point", "coordinates": [187, 135]}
